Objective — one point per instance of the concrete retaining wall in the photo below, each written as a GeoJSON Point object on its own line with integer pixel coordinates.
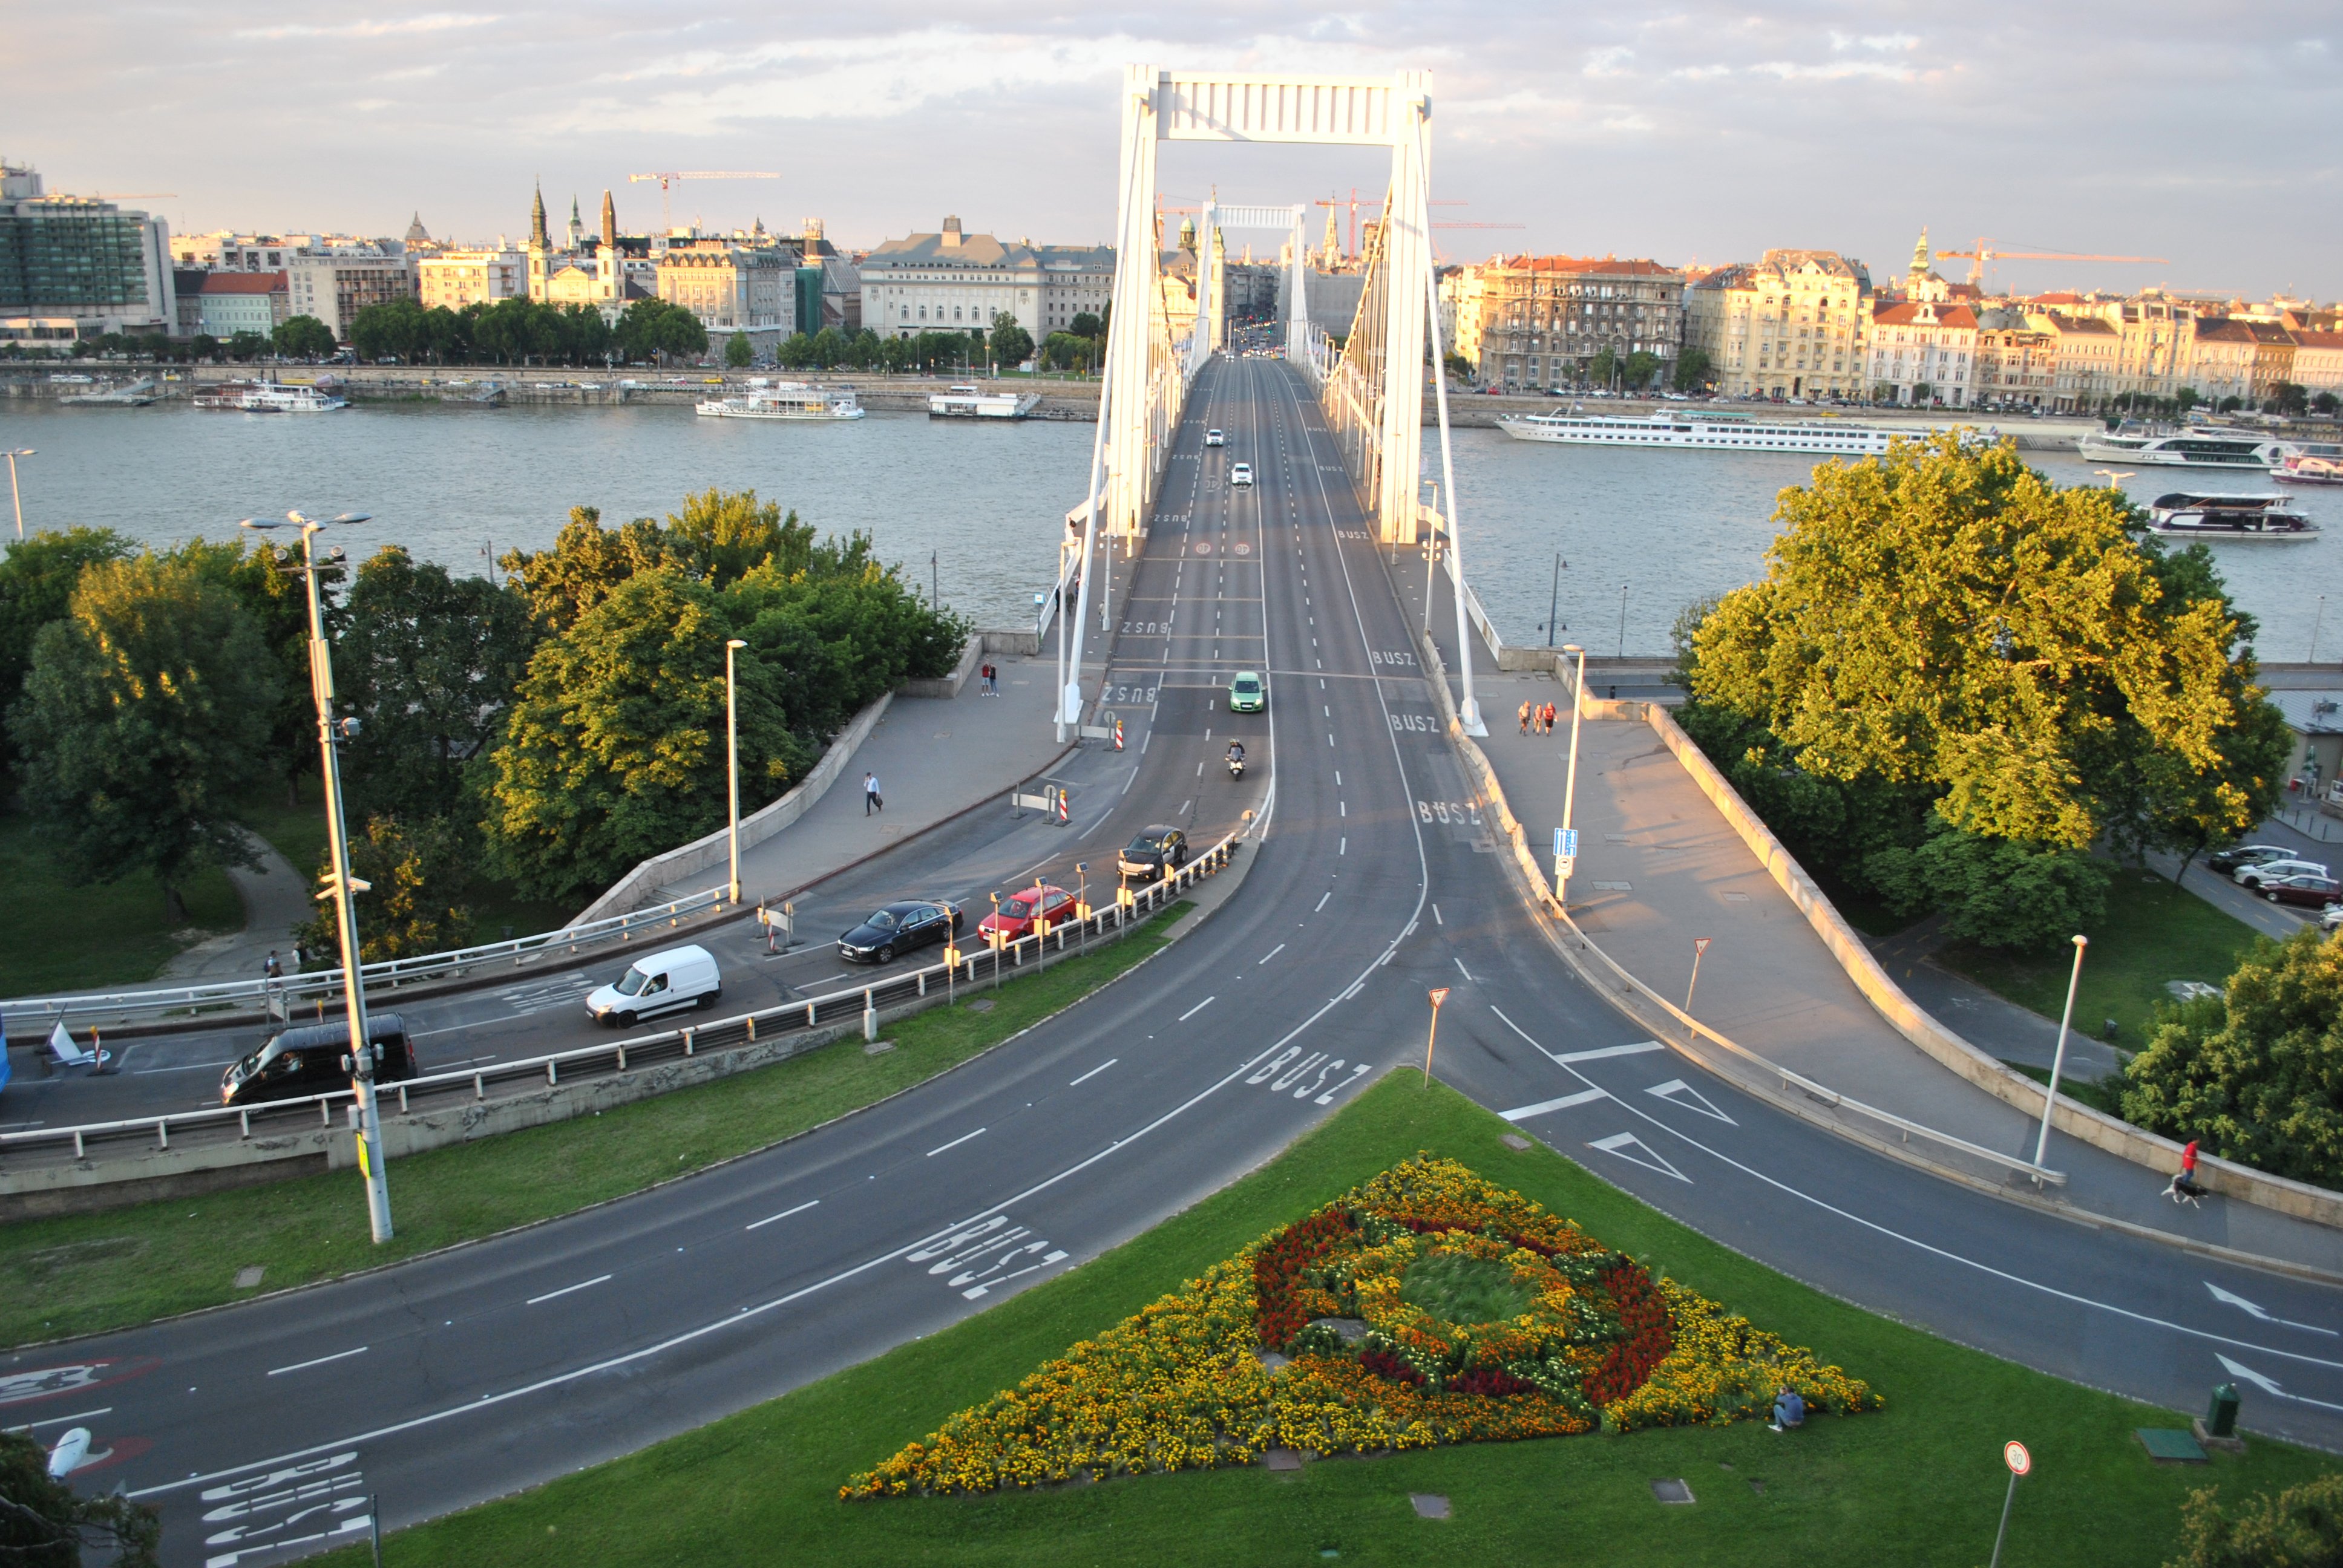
{"type": "Point", "coordinates": [946, 687]}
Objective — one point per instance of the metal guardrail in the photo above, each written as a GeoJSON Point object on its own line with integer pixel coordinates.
{"type": "Point", "coordinates": [471, 1084]}
{"type": "Point", "coordinates": [42, 1013]}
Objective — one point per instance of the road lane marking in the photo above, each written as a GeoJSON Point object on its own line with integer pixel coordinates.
{"type": "Point", "coordinates": [1465, 972]}
{"type": "Point", "coordinates": [1638, 1048]}
{"type": "Point", "coordinates": [955, 1142]}
{"type": "Point", "coordinates": [1343, 806]}
{"type": "Point", "coordinates": [1676, 1092]}
{"type": "Point", "coordinates": [1094, 1072]}
{"type": "Point", "coordinates": [1584, 1097]}
{"type": "Point", "coordinates": [1435, 916]}
{"type": "Point", "coordinates": [1322, 900]}
{"type": "Point", "coordinates": [1618, 1144]}
{"type": "Point", "coordinates": [757, 1224]}
{"type": "Point", "coordinates": [321, 1360]}
{"type": "Point", "coordinates": [1344, 847]}
{"type": "Point", "coordinates": [582, 1284]}
{"type": "Point", "coordinates": [1198, 1008]}
{"type": "Point", "coordinates": [1268, 955]}
{"type": "Point", "coordinates": [62, 1419]}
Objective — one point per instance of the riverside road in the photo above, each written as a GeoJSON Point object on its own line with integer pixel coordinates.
{"type": "Point", "coordinates": [1372, 877]}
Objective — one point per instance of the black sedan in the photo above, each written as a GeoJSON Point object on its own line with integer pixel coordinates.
{"type": "Point", "coordinates": [898, 928]}
{"type": "Point", "coordinates": [1155, 852]}
{"type": "Point", "coordinates": [2229, 862]}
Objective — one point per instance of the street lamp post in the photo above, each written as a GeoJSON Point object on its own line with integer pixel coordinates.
{"type": "Point", "coordinates": [331, 734]}
{"type": "Point", "coordinates": [14, 493]}
{"type": "Point", "coordinates": [1570, 779]}
{"type": "Point", "coordinates": [732, 758]}
{"type": "Point", "coordinates": [2058, 1059]}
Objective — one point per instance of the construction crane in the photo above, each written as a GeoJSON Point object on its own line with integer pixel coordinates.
{"type": "Point", "coordinates": [666, 178]}
{"type": "Point", "coordinates": [1985, 253]}
{"type": "Point", "coordinates": [1354, 204]}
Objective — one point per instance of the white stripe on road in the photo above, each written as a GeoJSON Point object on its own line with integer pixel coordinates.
{"type": "Point", "coordinates": [62, 1419]}
{"type": "Point", "coordinates": [784, 1214]}
{"type": "Point", "coordinates": [1198, 1008]}
{"type": "Point", "coordinates": [582, 1284]}
{"type": "Point", "coordinates": [1583, 1097]}
{"type": "Point", "coordinates": [1322, 900]}
{"type": "Point", "coordinates": [1094, 1072]}
{"type": "Point", "coordinates": [1268, 955]}
{"type": "Point", "coordinates": [321, 1360]}
{"type": "Point", "coordinates": [1465, 972]}
{"type": "Point", "coordinates": [955, 1142]}
{"type": "Point", "coordinates": [1638, 1048]}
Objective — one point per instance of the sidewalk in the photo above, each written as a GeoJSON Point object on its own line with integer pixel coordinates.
{"type": "Point", "coordinates": [935, 757]}
{"type": "Point", "coordinates": [276, 899]}
{"type": "Point", "coordinates": [1659, 866]}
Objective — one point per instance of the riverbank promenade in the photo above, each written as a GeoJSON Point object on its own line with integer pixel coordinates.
{"type": "Point", "coordinates": [1659, 866]}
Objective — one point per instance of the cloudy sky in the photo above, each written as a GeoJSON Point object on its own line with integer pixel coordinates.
{"type": "Point", "coordinates": [2204, 134]}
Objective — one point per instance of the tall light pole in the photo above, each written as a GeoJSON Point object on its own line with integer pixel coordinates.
{"type": "Point", "coordinates": [2058, 1060]}
{"type": "Point", "coordinates": [14, 493]}
{"type": "Point", "coordinates": [331, 734]}
{"type": "Point", "coordinates": [1570, 779]}
{"type": "Point", "coordinates": [732, 758]}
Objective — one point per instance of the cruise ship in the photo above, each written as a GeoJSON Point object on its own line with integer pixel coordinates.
{"type": "Point", "coordinates": [269, 397]}
{"type": "Point", "coordinates": [1704, 432]}
{"type": "Point", "coordinates": [784, 400]}
{"type": "Point", "coordinates": [2194, 448]}
{"type": "Point", "coordinates": [975, 403]}
{"type": "Point", "coordinates": [2188, 514]}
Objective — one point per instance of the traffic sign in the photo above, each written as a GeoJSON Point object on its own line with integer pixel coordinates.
{"type": "Point", "coordinates": [2013, 1455]}
{"type": "Point", "coordinates": [1566, 841]}
{"type": "Point", "coordinates": [1439, 996]}
{"type": "Point", "coordinates": [1700, 945]}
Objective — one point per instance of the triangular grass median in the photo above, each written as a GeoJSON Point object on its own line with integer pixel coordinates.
{"type": "Point", "coordinates": [1919, 1482]}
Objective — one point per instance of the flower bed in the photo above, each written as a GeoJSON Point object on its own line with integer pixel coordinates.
{"type": "Point", "coordinates": [1357, 1296]}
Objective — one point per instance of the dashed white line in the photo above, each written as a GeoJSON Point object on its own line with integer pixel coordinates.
{"type": "Point", "coordinates": [1638, 1048]}
{"type": "Point", "coordinates": [1583, 1097]}
{"type": "Point", "coordinates": [321, 1360]}
{"type": "Point", "coordinates": [784, 1214]}
{"type": "Point", "coordinates": [1094, 1072]}
{"type": "Point", "coordinates": [1435, 916]}
{"type": "Point", "coordinates": [1343, 806]}
{"type": "Point", "coordinates": [955, 1142]}
{"type": "Point", "coordinates": [1465, 972]}
{"type": "Point", "coordinates": [1268, 955]}
{"type": "Point", "coordinates": [1322, 900]}
{"type": "Point", "coordinates": [582, 1284]}
{"type": "Point", "coordinates": [62, 1419]}
{"type": "Point", "coordinates": [1343, 848]}
{"type": "Point", "coordinates": [1198, 1008]}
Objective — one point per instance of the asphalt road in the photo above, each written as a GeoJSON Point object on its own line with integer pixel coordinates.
{"type": "Point", "coordinates": [262, 1429]}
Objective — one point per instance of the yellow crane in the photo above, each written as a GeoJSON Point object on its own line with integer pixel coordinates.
{"type": "Point", "coordinates": [1985, 253]}
{"type": "Point", "coordinates": [668, 178]}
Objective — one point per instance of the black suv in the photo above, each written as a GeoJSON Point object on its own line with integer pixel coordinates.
{"type": "Point", "coordinates": [316, 1060]}
{"type": "Point", "coordinates": [1156, 850]}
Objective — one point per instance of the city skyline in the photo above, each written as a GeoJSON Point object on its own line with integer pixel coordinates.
{"type": "Point", "coordinates": [1835, 126]}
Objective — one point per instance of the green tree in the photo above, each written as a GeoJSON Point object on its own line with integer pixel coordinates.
{"type": "Point", "coordinates": [2288, 398]}
{"type": "Point", "coordinates": [1012, 344]}
{"type": "Point", "coordinates": [1692, 370]}
{"type": "Point", "coordinates": [37, 579]}
{"type": "Point", "coordinates": [737, 352]}
{"type": "Point", "coordinates": [1994, 892]}
{"type": "Point", "coordinates": [716, 536]}
{"type": "Point", "coordinates": [795, 352]}
{"type": "Point", "coordinates": [2187, 399]}
{"type": "Point", "coordinates": [420, 878]}
{"type": "Point", "coordinates": [2301, 1527]}
{"type": "Point", "coordinates": [43, 1524]}
{"type": "Point", "coordinates": [1642, 366]}
{"type": "Point", "coordinates": [1604, 365]}
{"type": "Point", "coordinates": [247, 346]}
{"type": "Point", "coordinates": [203, 346]}
{"type": "Point", "coordinates": [304, 338]}
{"type": "Point", "coordinates": [652, 329]}
{"type": "Point", "coordinates": [390, 330]}
{"type": "Point", "coordinates": [2257, 1073]}
{"type": "Point", "coordinates": [147, 711]}
{"type": "Point", "coordinates": [2325, 403]}
{"type": "Point", "coordinates": [1085, 325]}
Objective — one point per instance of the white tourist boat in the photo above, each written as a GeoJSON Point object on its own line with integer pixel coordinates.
{"type": "Point", "coordinates": [2198, 447]}
{"type": "Point", "coordinates": [1704, 432]}
{"type": "Point", "coordinates": [784, 400]}
{"type": "Point", "coordinates": [2310, 463]}
{"type": "Point", "coordinates": [269, 397]}
{"type": "Point", "coordinates": [2190, 515]}
{"type": "Point", "coordinates": [972, 402]}
{"type": "Point", "coordinates": [128, 395]}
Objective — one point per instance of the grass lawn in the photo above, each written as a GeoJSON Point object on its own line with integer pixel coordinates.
{"type": "Point", "coordinates": [2104, 1095]}
{"type": "Point", "coordinates": [84, 1273]}
{"type": "Point", "coordinates": [1920, 1482]}
{"type": "Point", "coordinates": [69, 935]}
{"type": "Point", "coordinates": [2152, 932]}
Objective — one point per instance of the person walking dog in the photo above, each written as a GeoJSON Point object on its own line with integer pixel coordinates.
{"type": "Point", "coordinates": [871, 800]}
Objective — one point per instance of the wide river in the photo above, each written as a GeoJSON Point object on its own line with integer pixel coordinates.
{"type": "Point", "coordinates": [1642, 532]}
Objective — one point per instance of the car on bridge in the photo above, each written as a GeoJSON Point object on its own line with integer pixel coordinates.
{"type": "Point", "coordinates": [1155, 851]}
{"type": "Point", "coordinates": [1246, 693]}
{"type": "Point", "coordinates": [1242, 474]}
{"type": "Point", "coordinates": [658, 982]}
{"type": "Point", "coordinates": [1017, 914]}
{"type": "Point", "coordinates": [315, 1058]}
{"type": "Point", "coordinates": [2305, 889]}
{"type": "Point", "coordinates": [1214, 438]}
{"type": "Point", "coordinates": [899, 928]}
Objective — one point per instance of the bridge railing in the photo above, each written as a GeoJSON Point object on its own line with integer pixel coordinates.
{"type": "Point", "coordinates": [470, 1085]}
{"type": "Point", "coordinates": [39, 1012]}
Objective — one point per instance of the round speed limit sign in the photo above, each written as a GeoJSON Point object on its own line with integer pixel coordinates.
{"type": "Point", "coordinates": [2013, 1455]}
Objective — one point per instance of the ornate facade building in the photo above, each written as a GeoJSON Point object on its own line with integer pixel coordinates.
{"type": "Point", "coordinates": [1527, 322]}
{"type": "Point", "coordinates": [1793, 324]}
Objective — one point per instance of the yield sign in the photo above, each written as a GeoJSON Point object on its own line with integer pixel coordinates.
{"type": "Point", "coordinates": [1636, 1151]}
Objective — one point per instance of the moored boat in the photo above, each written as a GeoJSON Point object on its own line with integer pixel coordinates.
{"type": "Point", "coordinates": [2187, 515]}
{"type": "Point", "coordinates": [1704, 432]}
{"type": "Point", "coordinates": [2198, 447]}
{"type": "Point", "coordinates": [2314, 463]}
{"type": "Point", "coordinates": [784, 400]}
{"type": "Point", "coordinates": [269, 397]}
{"type": "Point", "coordinates": [975, 403]}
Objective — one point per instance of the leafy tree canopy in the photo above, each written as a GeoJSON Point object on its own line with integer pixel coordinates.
{"type": "Point", "coordinates": [44, 1525]}
{"type": "Point", "coordinates": [716, 538]}
{"type": "Point", "coordinates": [420, 875]}
{"type": "Point", "coordinates": [304, 338]}
{"type": "Point", "coordinates": [1011, 343]}
{"type": "Point", "coordinates": [2301, 1527]}
{"type": "Point", "coordinates": [37, 579]}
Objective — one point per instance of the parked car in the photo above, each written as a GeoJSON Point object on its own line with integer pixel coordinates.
{"type": "Point", "coordinates": [2332, 919]}
{"type": "Point", "coordinates": [1154, 852]}
{"type": "Point", "coordinates": [1214, 438]}
{"type": "Point", "coordinates": [656, 983]}
{"type": "Point", "coordinates": [2312, 892]}
{"type": "Point", "coordinates": [898, 928]}
{"type": "Point", "coordinates": [1242, 473]}
{"type": "Point", "coordinates": [1246, 693]}
{"type": "Point", "coordinates": [315, 1058]}
{"type": "Point", "coordinates": [2255, 876]}
{"type": "Point", "coordinates": [1016, 915]}
{"type": "Point", "coordinates": [2229, 862]}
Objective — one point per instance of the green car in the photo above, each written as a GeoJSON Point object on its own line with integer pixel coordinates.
{"type": "Point", "coordinates": [1246, 693]}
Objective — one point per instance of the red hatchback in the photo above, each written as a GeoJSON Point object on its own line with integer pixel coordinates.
{"type": "Point", "coordinates": [1016, 915]}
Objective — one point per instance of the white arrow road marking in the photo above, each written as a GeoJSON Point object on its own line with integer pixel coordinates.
{"type": "Point", "coordinates": [2266, 1385]}
{"type": "Point", "coordinates": [1584, 1096]}
{"type": "Point", "coordinates": [1676, 1092]}
{"type": "Point", "coordinates": [2250, 1309]}
{"type": "Point", "coordinates": [1620, 1142]}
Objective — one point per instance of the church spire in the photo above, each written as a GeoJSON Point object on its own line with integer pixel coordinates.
{"type": "Point", "coordinates": [610, 222]}
{"type": "Point", "coordinates": [536, 235]}
{"type": "Point", "coordinates": [1920, 257]}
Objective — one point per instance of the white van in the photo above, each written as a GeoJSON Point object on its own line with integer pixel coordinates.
{"type": "Point", "coordinates": [657, 983]}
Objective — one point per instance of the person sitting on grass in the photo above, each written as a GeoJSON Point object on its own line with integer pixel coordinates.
{"type": "Point", "coordinates": [1789, 1410]}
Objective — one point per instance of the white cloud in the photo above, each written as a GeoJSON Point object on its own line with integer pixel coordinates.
{"type": "Point", "coordinates": [437, 22]}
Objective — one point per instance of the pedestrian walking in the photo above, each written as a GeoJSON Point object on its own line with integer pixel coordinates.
{"type": "Point", "coordinates": [1525, 716]}
{"type": "Point", "coordinates": [2183, 1186]}
{"type": "Point", "coordinates": [272, 968]}
{"type": "Point", "coordinates": [870, 800]}
{"type": "Point", "coordinates": [984, 680]}
{"type": "Point", "coordinates": [1550, 718]}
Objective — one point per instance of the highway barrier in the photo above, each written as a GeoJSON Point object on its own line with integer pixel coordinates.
{"type": "Point", "coordinates": [52, 1170]}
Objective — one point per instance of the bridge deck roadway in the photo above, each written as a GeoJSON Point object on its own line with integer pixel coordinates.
{"type": "Point", "coordinates": [463, 1375]}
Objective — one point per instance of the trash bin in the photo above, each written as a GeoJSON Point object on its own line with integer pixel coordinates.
{"type": "Point", "coordinates": [2221, 1415]}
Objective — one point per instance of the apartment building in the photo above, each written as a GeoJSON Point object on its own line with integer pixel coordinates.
{"type": "Point", "coordinates": [335, 283]}
{"type": "Point", "coordinates": [228, 303]}
{"type": "Point", "coordinates": [2015, 363]}
{"type": "Point", "coordinates": [1793, 323]}
{"type": "Point", "coordinates": [74, 266]}
{"type": "Point", "coordinates": [453, 279]}
{"type": "Point", "coordinates": [1924, 352]}
{"type": "Point", "coordinates": [734, 288]}
{"type": "Point", "coordinates": [1527, 321]}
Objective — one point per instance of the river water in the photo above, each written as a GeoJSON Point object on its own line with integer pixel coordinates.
{"type": "Point", "coordinates": [985, 499]}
